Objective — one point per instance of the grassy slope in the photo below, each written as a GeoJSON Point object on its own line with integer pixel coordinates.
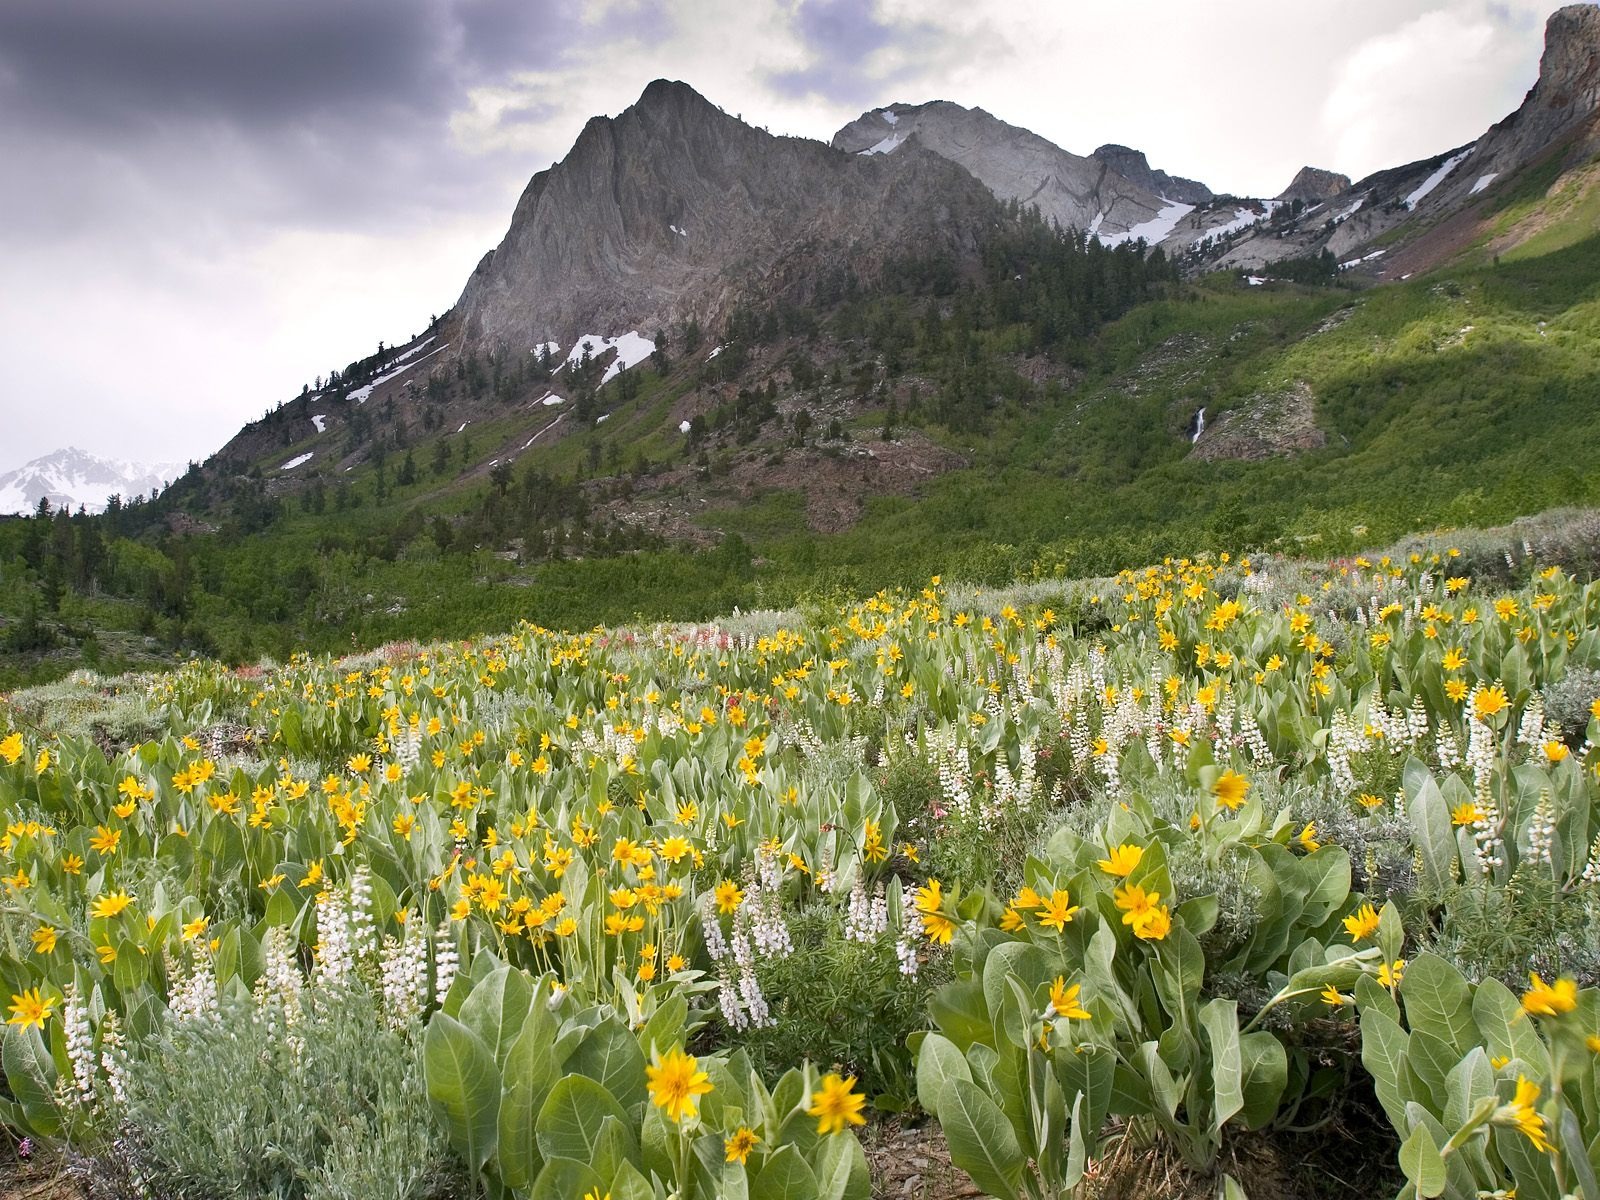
{"type": "Point", "coordinates": [1425, 425]}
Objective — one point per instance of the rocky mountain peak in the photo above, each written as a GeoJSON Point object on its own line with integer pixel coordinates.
{"type": "Point", "coordinates": [1569, 71]}
{"type": "Point", "coordinates": [1315, 186]}
{"type": "Point", "coordinates": [675, 209]}
{"type": "Point", "coordinates": [1133, 166]}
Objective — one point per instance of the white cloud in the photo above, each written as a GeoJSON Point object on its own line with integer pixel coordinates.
{"type": "Point", "coordinates": [1433, 83]}
{"type": "Point", "coordinates": [237, 264]}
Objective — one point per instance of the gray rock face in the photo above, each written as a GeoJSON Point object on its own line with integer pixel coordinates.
{"type": "Point", "coordinates": [675, 210]}
{"type": "Point", "coordinates": [1014, 164]}
{"type": "Point", "coordinates": [1559, 111]}
{"type": "Point", "coordinates": [1315, 186]}
{"type": "Point", "coordinates": [1133, 166]}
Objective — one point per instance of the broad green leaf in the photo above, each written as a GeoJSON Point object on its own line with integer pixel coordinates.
{"type": "Point", "coordinates": [1220, 1020]}
{"type": "Point", "coordinates": [571, 1119]}
{"type": "Point", "coordinates": [497, 1008]}
{"type": "Point", "coordinates": [959, 1011]}
{"type": "Point", "coordinates": [529, 1074]}
{"type": "Point", "coordinates": [464, 1087]}
{"type": "Point", "coordinates": [982, 1142]}
{"type": "Point", "coordinates": [1438, 1002]}
{"type": "Point", "coordinates": [1430, 827]}
{"type": "Point", "coordinates": [1502, 1024]}
{"type": "Point", "coordinates": [841, 1170]}
{"type": "Point", "coordinates": [30, 1074]}
{"type": "Point", "coordinates": [1422, 1164]}
{"type": "Point", "coordinates": [938, 1062]}
{"type": "Point", "coordinates": [785, 1176]}
{"type": "Point", "coordinates": [566, 1179]}
{"type": "Point", "coordinates": [1383, 1053]}
{"type": "Point", "coordinates": [1266, 1073]}
{"type": "Point", "coordinates": [611, 1057]}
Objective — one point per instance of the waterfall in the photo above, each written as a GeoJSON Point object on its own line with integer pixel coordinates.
{"type": "Point", "coordinates": [1199, 425]}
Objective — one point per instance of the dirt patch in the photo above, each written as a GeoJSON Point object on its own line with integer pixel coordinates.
{"type": "Point", "coordinates": [1266, 425]}
{"type": "Point", "coordinates": [835, 478]}
{"type": "Point", "coordinates": [39, 1174]}
{"type": "Point", "coordinates": [912, 1162]}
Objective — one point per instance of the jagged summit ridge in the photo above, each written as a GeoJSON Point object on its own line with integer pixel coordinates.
{"type": "Point", "coordinates": [1014, 164]}
{"type": "Point", "coordinates": [674, 210]}
{"type": "Point", "coordinates": [1133, 166]}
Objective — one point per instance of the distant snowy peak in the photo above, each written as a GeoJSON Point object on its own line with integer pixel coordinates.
{"type": "Point", "coordinates": [71, 478]}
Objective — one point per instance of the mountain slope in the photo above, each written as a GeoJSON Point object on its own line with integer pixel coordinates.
{"type": "Point", "coordinates": [73, 478]}
{"type": "Point", "coordinates": [675, 211]}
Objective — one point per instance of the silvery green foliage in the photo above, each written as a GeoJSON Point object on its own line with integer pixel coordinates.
{"type": "Point", "coordinates": [1567, 701]}
{"type": "Point", "coordinates": [230, 1106]}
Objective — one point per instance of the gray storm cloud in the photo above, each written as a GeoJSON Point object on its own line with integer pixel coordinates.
{"type": "Point", "coordinates": [208, 202]}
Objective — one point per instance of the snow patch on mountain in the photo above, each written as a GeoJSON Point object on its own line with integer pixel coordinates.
{"type": "Point", "coordinates": [361, 394]}
{"type": "Point", "coordinates": [73, 478]}
{"type": "Point", "coordinates": [1157, 229]}
{"type": "Point", "coordinates": [1438, 177]}
{"type": "Point", "coordinates": [632, 349]}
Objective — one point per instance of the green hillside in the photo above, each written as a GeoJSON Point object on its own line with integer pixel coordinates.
{"type": "Point", "coordinates": [1065, 380]}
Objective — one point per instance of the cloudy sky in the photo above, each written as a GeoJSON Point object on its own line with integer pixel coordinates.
{"type": "Point", "coordinates": [207, 203]}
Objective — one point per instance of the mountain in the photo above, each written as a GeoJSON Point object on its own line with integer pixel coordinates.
{"type": "Point", "coordinates": [676, 211]}
{"type": "Point", "coordinates": [707, 367]}
{"type": "Point", "coordinates": [1525, 175]}
{"type": "Point", "coordinates": [73, 478]}
{"type": "Point", "coordinates": [1315, 186]}
{"type": "Point", "coordinates": [1016, 164]}
{"type": "Point", "coordinates": [1133, 166]}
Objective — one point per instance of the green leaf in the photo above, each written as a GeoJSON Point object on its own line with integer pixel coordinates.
{"type": "Point", "coordinates": [615, 1148]}
{"type": "Point", "coordinates": [1439, 1003]}
{"type": "Point", "coordinates": [611, 1057]}
{"type": "Point", "coordinates": [566, 1179]}
{"type": "Point", "coordinates": [938, 1062]}
{"type": "Point", "coordinates": [785, 1176]}
{"type": "Point", "coordinates": [497, 1008]}
{"type": "Point", "coordinates": [1327, 871]}
{"type": "Point", "coordinates": [464, 1087]}
{"type": "Point", "coordinates": [1430, 826]}
{"type": "Point", "coordinates": [1432, 1061]}
{"type": "Point", "coordinates": [841, 1170]}
{"type": "Point", "coordinates": [530, 1072]}
{"type": "Point", "coordinates": [31, 1075]}
{"type": "Point", "coordinates": [1383, 1053]}
{"type": "Point", "coordinates": [572, 1117]}
{"type": "Point", "coordinates": [1220, 1020]}
{"type": "Point", "coordinates": [1422, 1164]}
{"type": "Point", "coordinates": [959, 1011]}
{"type": "Point", "coordinates": [982, 1142]}
{"type": "Point", "coordinates": [1266, 1073]}
{"type": "Point", "coordinates": [1504, 1027]}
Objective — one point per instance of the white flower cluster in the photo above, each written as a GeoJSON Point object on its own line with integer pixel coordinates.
{"type": "Point", "coordinates": [194, 997]}
{"type": "Point", "coordinates": [80, 1047]}
{"type": "Point", "coordinates": [1016, 792]}
{"type": "Point", "coordinates": [1591, 869]}
{"type": "Point", "coordinates": [404, 968]}
{"type": "Point", "coordinates": [1542, 829]}
{"type": "Point", "coordinates": [867, 916]}
{"type": "Point", "coordinates": [445, 962]}
{"type": "Point", "coordinates": [1344, 740]}
{"type": "Point", "coordinates": [363, 920]}
{"type": "Point", "coordinates": [1530, 730]}
{"type": "Point", "coordinates": [905, 946]}
{"type": "Point", "coordinates": [336, 960]}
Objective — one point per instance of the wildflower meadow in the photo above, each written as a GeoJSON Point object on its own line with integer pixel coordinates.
{"type": "Point", "coordinates": [1154, 860]}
